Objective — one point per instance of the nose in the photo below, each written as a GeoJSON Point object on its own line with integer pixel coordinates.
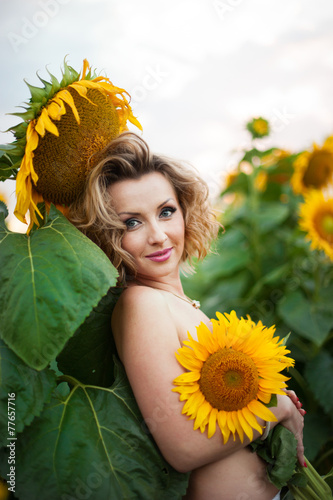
{"type": "Point", "coordinates": [156, 234]}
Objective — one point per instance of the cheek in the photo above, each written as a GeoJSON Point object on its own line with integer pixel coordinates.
{"type": "Point", "coordinates": [179, 230]}
{"type": "Point", "coordinates": [129, 244]}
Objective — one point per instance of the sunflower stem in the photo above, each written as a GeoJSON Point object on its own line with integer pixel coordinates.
{"type": "Point", "coordinates": [254, 234]}
{"type": "Point", "coordinates": [316, 487]}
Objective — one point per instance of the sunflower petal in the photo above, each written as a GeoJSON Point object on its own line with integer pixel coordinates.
{"type": "Point", "coordinates": [212, 422]}
{"type": "Point", "coordinates": [202, 413]}
{"type": "Point", "coordinates": [261, 411]}
{"type": "Point", "coordinates": [245, 425]}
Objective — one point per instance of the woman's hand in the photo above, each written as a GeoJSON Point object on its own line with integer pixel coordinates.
{"type": "Point", "coordinates": [296, 401]}
{"type": "Point", "coordinates": [293, 420]}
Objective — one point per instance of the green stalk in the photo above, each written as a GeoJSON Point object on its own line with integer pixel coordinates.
{"type": "Point", "coordinates": [298, 494]}
{"type": "Point", "coordinates": [316, 487]}
{"type": "Point", "coordinates": [253, 235]}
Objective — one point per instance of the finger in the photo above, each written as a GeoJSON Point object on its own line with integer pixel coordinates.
{"type": "Point", "coordinates": [300, 454]}
{"type": "Point", "coordinates": [292, 395]}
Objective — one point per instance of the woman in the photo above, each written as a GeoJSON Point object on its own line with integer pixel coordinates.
{"type": "Point", "coordinates": [150, 215]}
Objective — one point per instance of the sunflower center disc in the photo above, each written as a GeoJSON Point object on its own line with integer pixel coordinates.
{"type": "Point", "coordinates": [319, 170]}
{"type": "Point", "coordinates": [62, 163]}
{"type": "Point", "coordinates": [229, 380]}
{"type": "Point", "coordinates": [327, 225]}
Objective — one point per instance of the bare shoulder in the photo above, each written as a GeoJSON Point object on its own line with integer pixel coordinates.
{"type": "Point", "coordinates": [141, 316]}
{"type": "Point", "coordinates": [139, 300]}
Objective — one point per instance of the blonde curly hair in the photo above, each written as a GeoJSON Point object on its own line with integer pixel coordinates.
{"type": "Point", "coordinates": [128, 157]}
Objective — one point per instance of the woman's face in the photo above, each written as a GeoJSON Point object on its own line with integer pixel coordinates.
{"type": "Point", "coordinates": [155, 224]}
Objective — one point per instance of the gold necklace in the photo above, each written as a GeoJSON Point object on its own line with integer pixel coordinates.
{"type": "Point", "coordinates": [194, 303]}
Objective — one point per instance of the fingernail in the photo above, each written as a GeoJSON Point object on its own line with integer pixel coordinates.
{"type": "Point", "coordinates": [297, 399]}
{"type": "Point", "coordinates": [304, 412]}
{"type": "Point", "coordinates": [301, 404]}
{"type": "Point", "coordinates": [305, 464]}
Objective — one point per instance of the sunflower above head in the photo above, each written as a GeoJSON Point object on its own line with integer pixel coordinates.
{"type": "Point", "coordinates": [64, 125]}
{"type": "Point", "coordinates": [313, 170]}
{"type": "Point", "coordinates": [233, 372]}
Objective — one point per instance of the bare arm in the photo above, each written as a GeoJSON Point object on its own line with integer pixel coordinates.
{"type": "Point", "coordinates": [147, 340]}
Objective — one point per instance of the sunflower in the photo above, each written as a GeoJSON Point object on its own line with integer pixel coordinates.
{"type": "Point", "coordinates": [259, 127]}
{"type": "Point", "coordinates": [260, 181]}
{"type": "Point", "coordinates": [316, 218]}
{"type": "Point", "coordinates": [313, 170]}
{"type": "Point", "coordinates": [233, 373]}
{"type": "Point", "coordinates": [64, 125]}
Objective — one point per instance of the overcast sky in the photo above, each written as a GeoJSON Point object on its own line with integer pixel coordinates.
{"type": "Point", "coordinates": [197, 70]}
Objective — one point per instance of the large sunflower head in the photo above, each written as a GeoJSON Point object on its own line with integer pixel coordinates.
{"type": "Point", "coordinates": [313, 170]}
{"type": "Point", "coordinates": [64, 125]}
{"type": "Point", "coordinates": [233, 372]}
{"type": "Point", "coordinates": [316, 218]}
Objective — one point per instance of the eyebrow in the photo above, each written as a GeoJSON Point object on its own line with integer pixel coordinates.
{"type": "Point", "coordinates": [138, 213]}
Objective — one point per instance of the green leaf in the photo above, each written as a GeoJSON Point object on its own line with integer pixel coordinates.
{"type": "Point", "coordinates": [317, 429]}
{"type": "Point", "coordinates": [272, 402]}
{"type": "Point", "coordinates": [37, 93]}
{"type": "Point", "coordinates": [319, 376]}
{"type": "Point", "coordinates": [311, 320]}
{"type": "Point", "coordinates": [279, 450]}
{"type": "Point", "coordinates": [32, 390]}
{"type": "Point", "coordinates": [239, 184]}
{"type": "Point", "coordinates": [270, 215]}
{"type": "Point", "coordinates": [233, 255]}
{"type": "Point", "coordinates": [91, 443]}
{"type": "Point", "coordinates": [225, 294]}
{"type": "Point", "coordinates": [50, 281]}
{"type": "Point", "coordinates": [3, 209]}
{"type": "Point", "coordinates": [4, 148]}
{"type": "Point", "coordinates": [88, 355]}
{"type": "Point", "coordinates": [273, 277]}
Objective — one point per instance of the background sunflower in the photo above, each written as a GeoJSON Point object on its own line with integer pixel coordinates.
{"type": "Point", "coordinates": [316, 218]}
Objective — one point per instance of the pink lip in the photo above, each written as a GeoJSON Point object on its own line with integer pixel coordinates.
{"type": "Point", "coordinates": [160, 256]}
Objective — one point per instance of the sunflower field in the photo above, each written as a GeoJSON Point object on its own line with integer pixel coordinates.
{"type": "Point", "coordinates": [70, 428]}
{"type": "Point", "coordinates": [274, 262]}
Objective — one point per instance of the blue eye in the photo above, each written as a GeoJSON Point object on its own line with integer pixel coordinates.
{"type": "Point", "coordinates": [131, 223]}
{"type": "Point", "coordinates": [168, 211]}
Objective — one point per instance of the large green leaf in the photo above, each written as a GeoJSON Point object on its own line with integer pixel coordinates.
{"type": "Point", "coordinates": [91, 443]}
{"type": "Point", "coordinates": [32, 390]}
{"type": "Point", "coordinates": [50, 281]}
{"type": "Point", "coordinates": [311, 320]}
{"type": "Point", "coordinates": [226, 295]}
{"type": "Point", "coordinates": [317, 430]}
{"type": "Point", "coordinates": [319, 376]}
{"type": "Point", "coordinates": [88, 355]}
{"type": "Point", "coordinates": [279, 451]}
{"type": "Point", "coordinates": [270, 215]}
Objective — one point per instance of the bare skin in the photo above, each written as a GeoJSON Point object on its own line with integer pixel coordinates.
{"type": "Point", "coordinates": [150, 323]}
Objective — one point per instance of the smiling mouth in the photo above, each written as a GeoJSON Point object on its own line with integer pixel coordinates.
{"type": "Point", "coordinates": [160, 256]}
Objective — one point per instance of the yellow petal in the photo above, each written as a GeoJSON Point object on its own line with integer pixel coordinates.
{"type": "Point", "coordinates": [68, 99]}
{"type": "Point", "coordinates": [251, 419]}
{"type": "Point", "coordinates": [212, 422]}
{"type": "Point", "coordinates": [193, 403]}
{"type": "Point", "coordinates": [261, 411]}
{"type": "Point", "coordinates": [238, 427]}
{"type": "Point", "coordinates": [202, 413]}
{"type": "Point", "coordinates": [245, 425]}
{"type": "Point", "coordinates": [188, 361]}
{"type": "Point", "coordinates": [44, 123]}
